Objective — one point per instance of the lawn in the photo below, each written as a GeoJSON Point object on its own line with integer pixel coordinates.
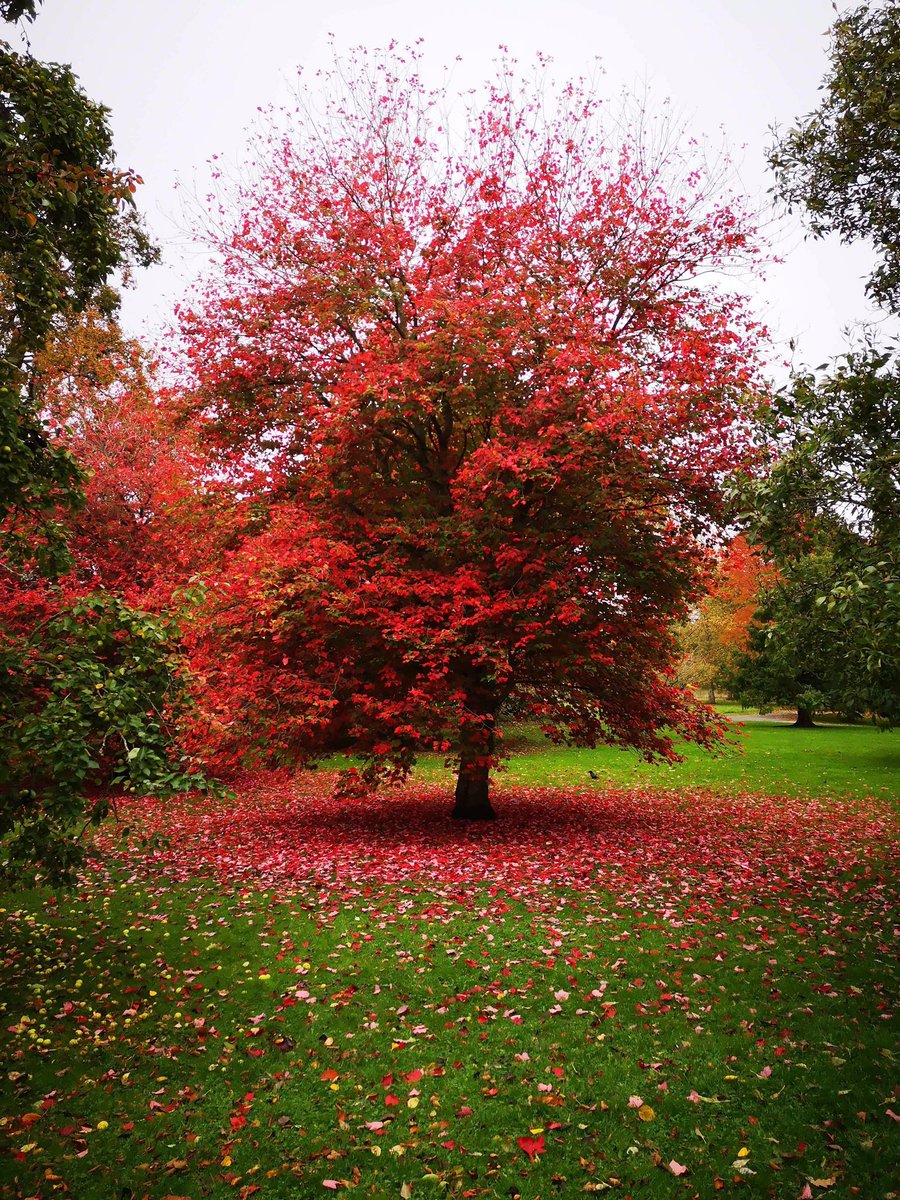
{"type": "Point", "coordinates": [638, 987]}
{"type": "Point", "coordinates": [832, 760]}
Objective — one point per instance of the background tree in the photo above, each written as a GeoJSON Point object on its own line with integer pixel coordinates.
{"type": "Point", "coordinates": [151, 518]}
{"type": "Point", "coordinates": [88, 684]}
{"type": "Point", "coordinates": [719, 627]}
{"type": "Point", "coordinates": [93, 684]}
{"type": "Point", "coordinates": [794, 651]}
{"type": "Point", "coordinates": [487, 408]}
{"type": "Point", "coordinates": [829, 512]}
{"type": "Point", "coordinates": [68, 223]}
{"type": "Point", "coordinates": [842, 161]}
{"type": "Point", "coordinates": [835, 490]}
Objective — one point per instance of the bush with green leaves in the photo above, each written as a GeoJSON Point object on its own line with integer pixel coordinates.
{"type": "Point", "coordinates": [90, 702]}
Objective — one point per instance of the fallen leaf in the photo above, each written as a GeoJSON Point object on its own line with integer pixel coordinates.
{"type": "Point", "coordinates": [532, 1146]}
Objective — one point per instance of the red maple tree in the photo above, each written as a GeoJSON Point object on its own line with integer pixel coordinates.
{"type": "Point", "coordinates": [483, 403]}
{"type": "Point", "coordinates": [152, 516]}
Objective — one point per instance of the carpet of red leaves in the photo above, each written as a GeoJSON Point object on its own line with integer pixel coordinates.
{"type": "Point", "coordinates": [677, 854]}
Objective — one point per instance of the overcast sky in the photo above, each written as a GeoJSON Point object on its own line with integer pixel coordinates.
{"type": "Point", "coordinates": [184, 79]}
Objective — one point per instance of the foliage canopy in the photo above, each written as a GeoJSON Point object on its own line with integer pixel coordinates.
{"type": "Point", "coordinates": [829, 513]}
{"type": "Point", "coordinates": [842, 161]}
{"type": "Point", "coordinates": [485, 404]}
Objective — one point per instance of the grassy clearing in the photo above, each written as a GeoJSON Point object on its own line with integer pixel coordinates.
{"type": "Point", "coordinates": [391, 1020]}
{"type": "Point", "coordinates": [770, 757]}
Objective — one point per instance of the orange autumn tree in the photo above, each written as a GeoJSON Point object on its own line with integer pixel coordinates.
{"type": "Point", "coordinates": [151, 517]}
{"type": "Point", "coordinates": [719, 627]}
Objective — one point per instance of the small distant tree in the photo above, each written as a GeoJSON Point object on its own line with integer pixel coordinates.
{"type": "Point", "coordinates": [793, 657]}
{"type": "Point", "coordinates": [488, 403]}
{"type": "Point", "coordinates": [719, 627]}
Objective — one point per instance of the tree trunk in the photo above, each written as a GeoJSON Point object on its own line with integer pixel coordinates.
{"type": "Point", "coordinates": [472, 799]}
{"type": "Point", "coordinates": [804, 719]}
{"type": "Point", "coordinates": [711, 697]}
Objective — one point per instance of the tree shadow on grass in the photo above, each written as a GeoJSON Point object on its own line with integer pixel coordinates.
{"type": "Point", "coordinates": [639, 843]}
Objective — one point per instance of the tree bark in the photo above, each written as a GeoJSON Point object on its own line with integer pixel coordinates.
{"type": "Point", "coordinates": [711, 695]}
{"type": "Point", "coordinates": [472, 799]}
{"type": "Point", "coordinates": [804, 719]}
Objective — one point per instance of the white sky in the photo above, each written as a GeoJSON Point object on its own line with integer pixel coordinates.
{"type": "Point", "coordinates": [184, 78]}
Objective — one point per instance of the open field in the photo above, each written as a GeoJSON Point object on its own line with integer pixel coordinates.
{"type": "Point", "coordinates": [646, 990]}
{"type": "Point", "coordinates": [832, 760]}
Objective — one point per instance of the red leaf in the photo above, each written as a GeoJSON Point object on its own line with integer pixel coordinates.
{"type": "Point", "coordinates": [532, 1146]}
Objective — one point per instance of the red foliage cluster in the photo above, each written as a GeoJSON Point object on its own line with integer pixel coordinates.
{"type": "Point", "coordinates": [486, 406]}
{"type": "Point", "coordinates": [741, 576]}
{"type": "Point", "coordinates": [152, 515]}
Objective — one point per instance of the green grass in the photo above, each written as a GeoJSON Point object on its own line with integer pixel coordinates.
{"type": "Point", "coordinates": [168, 1093]}
{"type": "Point", "coordinates": [831, 760]}
{"type": "Point", "coordinates": [138, 1016]}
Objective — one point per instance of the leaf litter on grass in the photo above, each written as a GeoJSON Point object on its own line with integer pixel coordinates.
{"type": "Point", "coordinates": [635, 992]}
